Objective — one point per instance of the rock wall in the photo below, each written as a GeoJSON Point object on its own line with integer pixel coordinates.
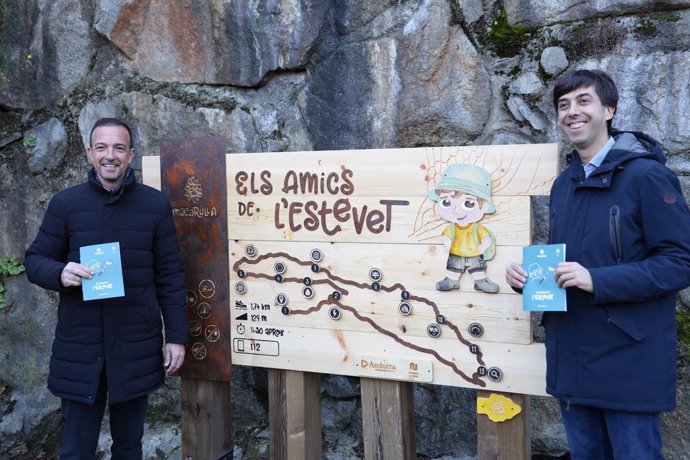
{"type": "Point", "coordinates": [306, 75]}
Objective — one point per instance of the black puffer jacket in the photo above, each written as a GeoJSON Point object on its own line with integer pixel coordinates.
{"type": "Point", "coordinates": [123, 334]}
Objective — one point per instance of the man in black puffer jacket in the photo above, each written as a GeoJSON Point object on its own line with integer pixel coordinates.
{"type": "Point", "coordinates": [111, 350]}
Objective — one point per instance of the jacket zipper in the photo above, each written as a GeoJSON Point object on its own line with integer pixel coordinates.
{"type": "Point", "coordinates": [614, 232]}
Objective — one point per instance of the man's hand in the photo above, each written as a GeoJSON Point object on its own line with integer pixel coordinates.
{"type": "Point", "coordinates": [73, 273]}
{"type": "Point", "coordinates": [572, 274]}
{"type": "Point", "coordinates": [173, 356]}
{"type": "Point", "coordinates": [516, 276]}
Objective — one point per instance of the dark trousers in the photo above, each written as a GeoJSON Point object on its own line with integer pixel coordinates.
{"type": "Point", "coordinates": [83, 425]}
{"type": "Point", "coordinates": [602, 434]}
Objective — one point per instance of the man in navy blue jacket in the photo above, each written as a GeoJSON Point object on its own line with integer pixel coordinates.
{"type": "Point", "coordinates": [111, 351]}
{"type": "Point", "coordinates": [611, 358]}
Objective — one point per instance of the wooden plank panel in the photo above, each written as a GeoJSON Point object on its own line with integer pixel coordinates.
{"type": "Point", "coordinates": [527, 169]}
{"type": "Point", "coordinates": [206, 422]}
{"type": "Point", "coordinates": [294, 415]}
{"type": "Point", "coordinates": [413, 223]}
{"type": "Point", "coordinates": [388, 420]}
{"type": "Point", "coordinates": [345, 269]}
{"type": "Point", "coordinates": [510, 439]}
{"type": "Point", "coordinates": [341, 352]}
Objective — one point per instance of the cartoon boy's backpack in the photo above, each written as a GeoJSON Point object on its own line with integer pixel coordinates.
{"type": "Point", "coordinates": [490, 251]}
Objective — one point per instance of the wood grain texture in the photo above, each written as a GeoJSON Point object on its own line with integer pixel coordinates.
{"type": "Point", "coordinates": [388, 422]}
{"type": "Point", "coordinates": [206, 419]}
{"type": "Point", "coordinates": [294, 415]}
{"type": "Point", "coordinates": [508, 440]}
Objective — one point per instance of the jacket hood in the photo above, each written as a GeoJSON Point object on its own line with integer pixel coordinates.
{"type": "Point", "coordinates": [630, 145]}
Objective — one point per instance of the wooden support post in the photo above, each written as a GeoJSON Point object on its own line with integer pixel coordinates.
{"type": "Point", "coordinates": [509, 440]}
{"type": "Point", "coordinates": [294, 401]}
{"type": "Point", "coordinates": [388, 420]}
{"type": "Point", "coordinates": [206, 420]}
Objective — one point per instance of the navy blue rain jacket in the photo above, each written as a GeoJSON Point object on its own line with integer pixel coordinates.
{"type": "Point", "coordinates": [123, 334]}
{"type": "Point", "coordinates": [629, 225]}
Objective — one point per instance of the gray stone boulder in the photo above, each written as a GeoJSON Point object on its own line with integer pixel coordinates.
{"type": "Point", "coordinates": [45, 145]}
{"type": "Point", "coordinates": [545, 12]}
{"type": "Point", "coordinates": [46, 50]}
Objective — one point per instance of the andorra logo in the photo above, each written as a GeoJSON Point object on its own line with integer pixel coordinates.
{"type": "Point", "coordinates": [379, 366]}
{"type": "Point", "coordinates": [192, 190]}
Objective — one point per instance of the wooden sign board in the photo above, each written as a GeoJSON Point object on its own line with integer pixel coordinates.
{"type": "Point", "coordinates": [335, 259]}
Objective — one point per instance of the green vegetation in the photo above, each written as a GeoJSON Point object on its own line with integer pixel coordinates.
{"type": "Point", "coordinates": [595, 38]}
{"type": "Point", "coordinates": [646, 28]}
{"type": "Point", "coordinates": [3, 11]}
{"type": "Point", "coordinates": [29, 141]}
{"type": "Point", "coordinates": [683, 325]}
{"type": "Point", "coordinates": [505, 40]}
{"type": "Point", "coordinates": [9, 266]}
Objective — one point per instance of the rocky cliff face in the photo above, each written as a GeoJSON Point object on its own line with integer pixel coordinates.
{"type": "Point", "coordinates": [306, 75]}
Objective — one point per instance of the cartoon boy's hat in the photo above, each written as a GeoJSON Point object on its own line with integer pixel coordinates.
{"type": "Point", "coordinates": [471, 179]}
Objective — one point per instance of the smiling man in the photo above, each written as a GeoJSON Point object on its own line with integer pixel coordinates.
{"type": "Point", "coordinates": [611, 358]}
{"type": "Point", "coordinates": [110, 152]}
{"type": "Point", "coordinates": [110, 351]}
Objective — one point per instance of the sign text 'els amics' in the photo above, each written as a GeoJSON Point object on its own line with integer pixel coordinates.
{"type": "Point", "coordinates": [315, 215]}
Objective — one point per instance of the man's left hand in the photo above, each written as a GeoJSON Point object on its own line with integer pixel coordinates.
{"type": "Point", "coordinates": [173, 356]}
{"type": "Point", "coordinates": [572, 274]}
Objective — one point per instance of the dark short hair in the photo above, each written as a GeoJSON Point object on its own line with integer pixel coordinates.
{"type": "Point", "coordinates": [112, 122]}
{"type": "Point", "coordinates": [603, 86]}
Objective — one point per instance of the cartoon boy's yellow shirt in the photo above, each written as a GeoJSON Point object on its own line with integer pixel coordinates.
{"type": "Point", "coordinates": [464, 245]}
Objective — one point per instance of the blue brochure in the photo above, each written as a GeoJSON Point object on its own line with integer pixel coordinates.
{"type": "Point", "coordinates": [104, 260]}
{"type": "Point", "coordinates": [541, 293]}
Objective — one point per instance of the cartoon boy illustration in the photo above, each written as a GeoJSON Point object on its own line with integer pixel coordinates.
{"type": "Point", "coordinates": [463, 196]}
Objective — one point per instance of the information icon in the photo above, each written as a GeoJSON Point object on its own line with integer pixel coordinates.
{"type": "Point", "coordinates": [495, 374]}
